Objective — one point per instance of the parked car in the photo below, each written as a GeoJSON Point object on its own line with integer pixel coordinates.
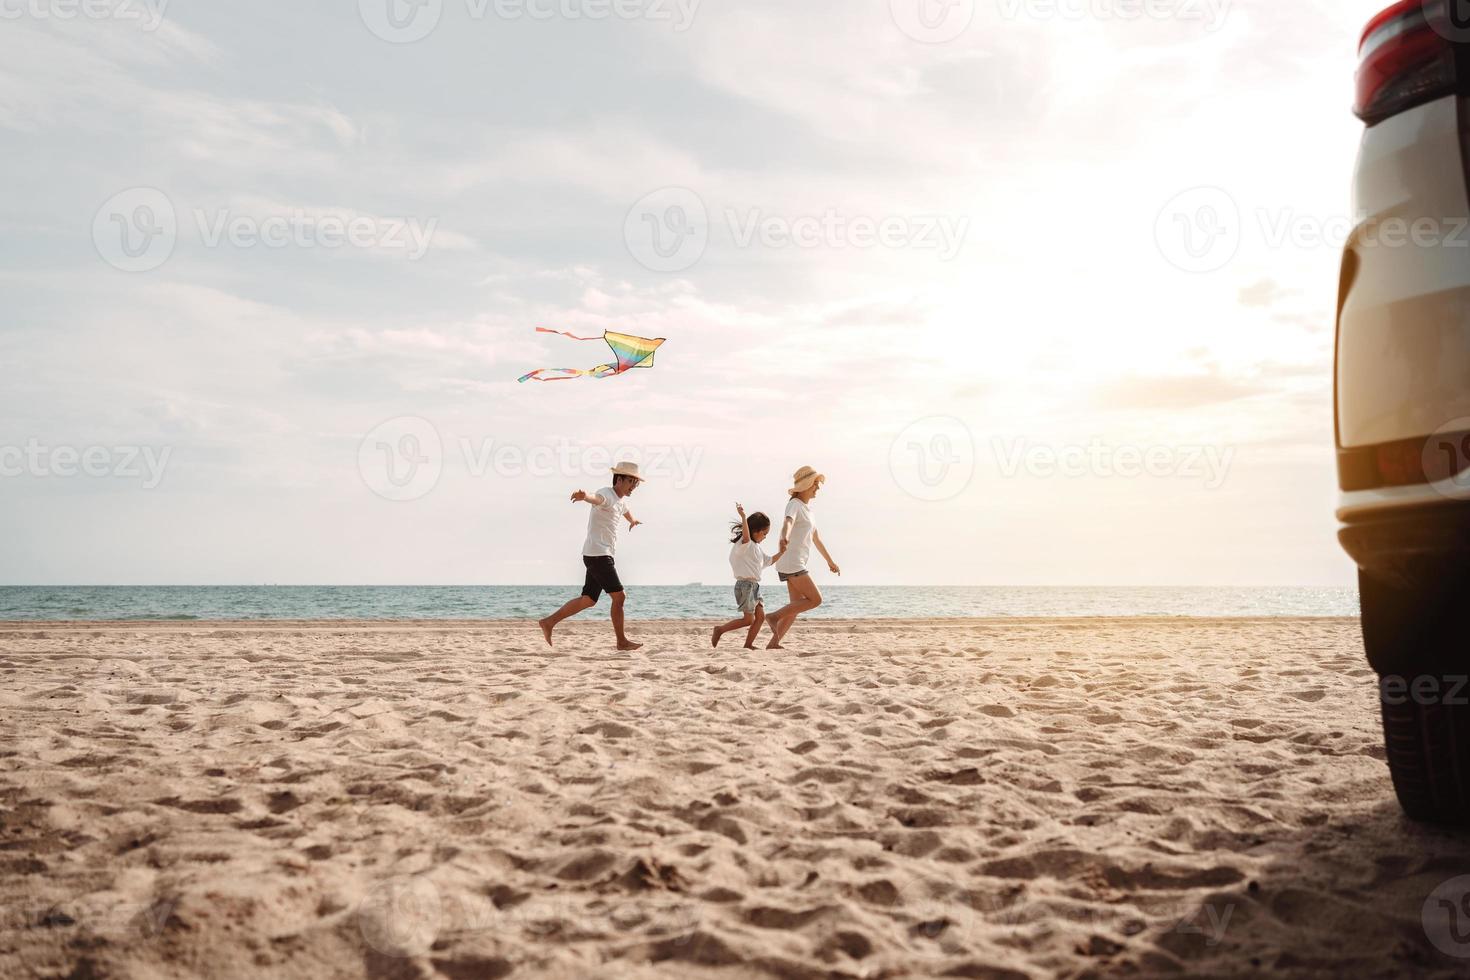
{"type": "Point", "coordinates": [1402, 401]}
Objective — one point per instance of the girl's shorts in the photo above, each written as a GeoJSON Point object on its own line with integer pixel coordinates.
{"type": "Point", "coordinates": [747, 595]}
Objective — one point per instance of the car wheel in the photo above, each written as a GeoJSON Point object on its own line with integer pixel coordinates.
{"type": "Point", "coordinates": [1424, 692]}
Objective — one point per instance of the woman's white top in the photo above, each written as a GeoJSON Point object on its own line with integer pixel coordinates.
{"type": "Point", "coordinates": [799, 544]}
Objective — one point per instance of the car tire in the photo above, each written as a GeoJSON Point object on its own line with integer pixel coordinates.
{"type": "Point", "coordinates": [1424, 692]}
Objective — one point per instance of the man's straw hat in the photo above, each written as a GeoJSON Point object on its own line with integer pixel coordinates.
{"type": "Point", "coordinates": [627, 469]}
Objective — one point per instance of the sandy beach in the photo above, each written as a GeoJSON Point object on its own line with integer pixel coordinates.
{"type": "Point", "coordinates": [882, 799]}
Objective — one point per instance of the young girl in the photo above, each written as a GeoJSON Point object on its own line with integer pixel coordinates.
{"type": "Point", "coordinates": [748, 562]}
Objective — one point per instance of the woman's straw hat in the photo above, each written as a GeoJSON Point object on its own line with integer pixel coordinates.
{"type": "Point", "coordinates": [803, 480]}
{"type": "Point", "coordinates": [627, 469]}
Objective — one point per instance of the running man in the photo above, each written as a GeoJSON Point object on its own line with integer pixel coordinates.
{"type": "Point", "coordinates": [608, 508]}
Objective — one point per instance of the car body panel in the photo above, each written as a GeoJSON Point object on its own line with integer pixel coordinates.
{"type": "Point", "coordinates": [1403, 335]}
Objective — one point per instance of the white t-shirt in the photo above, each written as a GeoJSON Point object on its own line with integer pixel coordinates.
{"type": "Point", "coordinates": [748, 561]}
{"type": "Point", "coordinates": [799, 545]}
{"type": "Point", "coordinates": [602, 525]}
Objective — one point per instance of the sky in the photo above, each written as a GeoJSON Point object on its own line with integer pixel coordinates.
{"type": "Point", "coordinates": [1044, 287]}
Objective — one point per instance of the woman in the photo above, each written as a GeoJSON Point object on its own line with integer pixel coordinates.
{"type": "Point", "coordinates": [798, 534]}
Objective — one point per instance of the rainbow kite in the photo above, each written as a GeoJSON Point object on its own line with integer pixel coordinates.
{"type": "Point", "coordinates": [631, 352]}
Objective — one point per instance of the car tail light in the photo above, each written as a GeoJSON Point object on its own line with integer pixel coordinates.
{"type": "Point", "coordinates": [1405, 462]}
{"type": "Point", "coordinates": [1404, 60]}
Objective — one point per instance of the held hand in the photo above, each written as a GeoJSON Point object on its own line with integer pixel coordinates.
{"type": "Point", "coordinates": [579, 496]}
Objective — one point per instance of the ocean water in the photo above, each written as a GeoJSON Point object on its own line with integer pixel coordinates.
{"type": "Point", "coordinates": [648, 602]}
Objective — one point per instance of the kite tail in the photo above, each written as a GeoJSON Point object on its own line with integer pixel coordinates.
{"type": "Point", "coordinates": [563, 333]}
{"type": "Point", "coordinates": [556, 374]}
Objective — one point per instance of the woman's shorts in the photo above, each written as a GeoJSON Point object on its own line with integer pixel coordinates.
{"type": "Point", "coordinates": [787, 577]}
{"type": "Point", "coordinates": [747, 595]}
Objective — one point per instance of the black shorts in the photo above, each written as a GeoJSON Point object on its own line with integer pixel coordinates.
{"type": "Point", "coordinates": [602, 576]}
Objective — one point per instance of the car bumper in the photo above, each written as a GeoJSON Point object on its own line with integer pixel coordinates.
{"type": "Point", "coordinates": [1407, 544]}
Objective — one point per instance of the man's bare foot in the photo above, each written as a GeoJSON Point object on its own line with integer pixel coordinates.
{"type": "Point", "coordinates": [546, 626]}
{"type": "Point", "coordinates": [629, 645]}
{"type": "Point", "coordinates": [714, 638]}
